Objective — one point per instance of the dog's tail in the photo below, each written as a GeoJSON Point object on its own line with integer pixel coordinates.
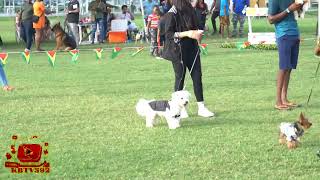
{"type": "Point", "coordinates": [142, 107]}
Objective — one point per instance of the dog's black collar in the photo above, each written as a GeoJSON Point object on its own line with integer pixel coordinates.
{"type": "Point", "coordinates": [299, 130]}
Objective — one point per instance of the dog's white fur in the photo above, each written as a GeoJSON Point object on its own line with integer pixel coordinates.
{"type": "Point", "coordinates": [179, 100]}
{"type": "Point", "coordinates": [139, 37]}
{"type": "Point", "coordinates": [289, 130]}
{"type": "Point", "coordinates": [305, 7]}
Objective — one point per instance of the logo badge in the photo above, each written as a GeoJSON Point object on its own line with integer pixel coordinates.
{"type": "Point", "coordinates": [28, 157]}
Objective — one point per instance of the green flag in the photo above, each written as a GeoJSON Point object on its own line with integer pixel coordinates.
{"type": "Point", "coordinates": [115, 52]}
{"type": "Point", "coordinates": [26, 56]}
{"type": "Point", "coordinates": [3, 59]}
{"type": "Point", "coordinates": [51, 57]}
{"type": "Point", "coordinates": [75, 54]}
{"type": "Point", "coordinates": [98, 53]}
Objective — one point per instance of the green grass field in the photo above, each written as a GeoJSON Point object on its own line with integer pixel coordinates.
{"type": "Point", "coordinates": [86, 113]}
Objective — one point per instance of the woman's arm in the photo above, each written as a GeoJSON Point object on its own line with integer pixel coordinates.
{"type": "Point", "coordinates": [193, 34]}
{"type": "Point", "coordinates": [172, 33]}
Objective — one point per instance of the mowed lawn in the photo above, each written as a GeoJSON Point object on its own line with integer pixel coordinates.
{"type": "Point", "coordinates": [86, 112]}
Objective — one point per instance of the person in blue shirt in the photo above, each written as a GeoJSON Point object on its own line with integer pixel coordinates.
{"type": "Point", "coordinates": [148, 8]}
{"type": "Point", "coordinates": [288, 41]}
{"type": "Point", "coordinates": [239, 15]}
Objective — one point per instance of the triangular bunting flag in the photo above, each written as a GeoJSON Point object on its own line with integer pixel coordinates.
{"type": "Point", "coordinates": [204, 49]}
{"type": "Point", "coordinates": [51, 57]}
{"type": "Point", "coordinates": [240, 45]}
{"type": "Point", "coordinates": [247, 44]}
{"type": "Point", "coordinates": [26, 56]}
{"type": "Point", "coordinates": [115, 52]}
{"type": "Point", "coordinates": [139, 50]}
{"type": "Point", "coordinates": [3, 59]}
{"type": "Point", "coordinates": [98, 53]}
{"type": "Point", "coordinates": [75, 54]}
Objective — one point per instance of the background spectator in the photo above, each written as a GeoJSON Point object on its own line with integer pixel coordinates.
{"type": "Point", "coordinates": [201, 11]}
{"type": "Point", "coordinates": [239, 15]}
{"type": "Point", "coordinates": [224, 17]}
{"type": "Point", "coordinates": [97, 9]}
{"type": "Point", "coordinates": [153, 21]}
{"type": "Point", "coordinates": [148, 8]}
{"type": "Point", "coordinates": [26, 26]}
{"type": "Point", "coordinates": [39, 11]}
{"type": "Point", "coordinates": [215, 11]}
{"type": "Point", "coordinates": [73, 19]}
{"type": "Point", "coordinates": [165, 6]}
{"type": "Point", "coordinates": [105, 18]}
{"type": "Point", "coordinates": [110, 17]}
{"type": "Point", "coordinates": [127, 15]}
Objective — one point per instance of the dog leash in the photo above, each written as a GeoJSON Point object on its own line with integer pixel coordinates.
{"type": "Point", "coordinates": [314, 80]}
{"type": "Point", "coordinates": [191, 69]}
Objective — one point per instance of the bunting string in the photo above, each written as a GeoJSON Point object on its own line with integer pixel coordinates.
{"type": "Point", "coordinates": [136, 47]}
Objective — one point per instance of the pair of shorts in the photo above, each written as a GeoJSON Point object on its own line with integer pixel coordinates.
{"type": "Point", "coordinates": [224, 20]}
{"type": "Point", "coordinates": [288, 48]}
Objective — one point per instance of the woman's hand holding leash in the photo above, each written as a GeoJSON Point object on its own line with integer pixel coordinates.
{"type": "Point", "coordinates": [193, 34]}
{"type": "Point", "coordinates": [197, 35]}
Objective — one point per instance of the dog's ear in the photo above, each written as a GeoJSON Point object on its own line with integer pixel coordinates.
{"type": "Point", "coordinates": [301, 117]}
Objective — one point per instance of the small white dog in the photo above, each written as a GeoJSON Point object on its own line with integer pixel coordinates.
{"type": "Point", "coordinates": [139, 37]}
{"type": "Point", "coordinates": [300, 13]}
{"type": "Point", "coordinates": [171, 110]}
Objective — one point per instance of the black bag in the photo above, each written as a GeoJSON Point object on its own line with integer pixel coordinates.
{"type": "Point", "coordinates": [35, 19]}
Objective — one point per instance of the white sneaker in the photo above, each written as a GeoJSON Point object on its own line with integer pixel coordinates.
{"type": "Point", "coordinates": [183, 113]}
{"type": "Point", "coordinates": [204, 112]}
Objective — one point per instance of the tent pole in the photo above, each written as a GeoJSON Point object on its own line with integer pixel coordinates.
{"type": "Point", "coordinates": [142, 13]}
{"type": "Point", "coordinates": [318, 20]}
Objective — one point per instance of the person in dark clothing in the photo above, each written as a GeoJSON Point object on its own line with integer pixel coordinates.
{"type": "Point", "coordinates": [202, 11]}
{"type": "Point", "coordinates": [97, 8]}
{"type": "Point", "coordinates": [73, 19]}
{"type": "Point", "coordinates": [215, 11]}
{"type": "Point", "coordinates": [27, 31]}
{"type": "Point", "coordinates": [165, 6]}
{"type": "Point", "coordinates": [182, 49]}
{"type": "Point", "coordinates": [106, 18]}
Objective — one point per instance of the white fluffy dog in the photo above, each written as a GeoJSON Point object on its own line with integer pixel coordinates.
{"type": "Point", "coordinates": [170, 110]}
{"type": "Point", "coordinates": [305, 6]}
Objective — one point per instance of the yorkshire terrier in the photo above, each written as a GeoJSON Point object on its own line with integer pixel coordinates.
{"type": "Point", "coordinates": [290, 133]}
